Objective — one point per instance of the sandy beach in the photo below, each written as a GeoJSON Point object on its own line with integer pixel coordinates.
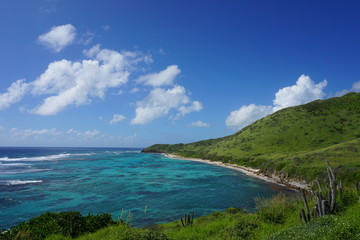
{"type": "Point", "coordinates": [290, 183]}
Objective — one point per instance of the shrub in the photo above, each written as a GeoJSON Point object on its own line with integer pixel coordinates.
{"type": "Point", "coordinates": [274, 210]}
{"type": "Point", "coordinates": [244, 229]}
{"type": "Point", "coordinates": [234, 210]}
{"type": "Point", "coordinates": [71, 224]}
{"type": "Point", "coordinates": [347, 199]}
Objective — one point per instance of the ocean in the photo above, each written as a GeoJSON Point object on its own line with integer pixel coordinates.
{"type": "Point", "coordinates": [140, 188]}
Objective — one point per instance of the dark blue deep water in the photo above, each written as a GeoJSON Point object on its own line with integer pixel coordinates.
{"type": "Point", "coordinates": [142, 189]}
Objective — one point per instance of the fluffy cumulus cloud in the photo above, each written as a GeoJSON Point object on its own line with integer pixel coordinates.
{"type": "Point", "coordinates": [355, 88]}
{"type": "Point", "coordinates": [163, 78]}
{"type": "Point", "coordinates": [76, 83]}
{"type": "Point", "coordinates": [246, 115]}
{"type": "Point", "coordinates": [65, 83]}
{"type": "Point", "coordinates": [68, 83]}
{"type": "Point", "coordinates": [13, 94]}
{"type": "Point", "coordinates": [58, 37]}
{"type": "Point", "coordinates": [161, 101]}
{"type": "Point", "coordinates": [199, 124]}
{"type": "Point", "coordinates": [117, 118]}
{"type": "Point", "coordinates": [305, 90]}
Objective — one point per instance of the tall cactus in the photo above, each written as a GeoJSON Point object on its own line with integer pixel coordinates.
{"type": "Point", "coordinates": [332, 185]}
{"type": "Point", "coordinates": [322, 206]}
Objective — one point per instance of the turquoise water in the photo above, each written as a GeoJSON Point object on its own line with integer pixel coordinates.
{"type": "Point", "coordinates": [140, 188]}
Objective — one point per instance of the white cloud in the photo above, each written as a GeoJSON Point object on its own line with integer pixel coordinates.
{"type": "Point", "coordinates": [246, 115]}
{"type": "Point", "coordinates": [76, 83]}
{"type": "Point", "coordinates": [161, 51]}
{"type": "Point", "coordinates": [83, 134]}
{"type": "Point", "coordinates": [87, 38]}
{"type": "Point", "coordinates": [90, 134]}
{"type": "Point", "coordinates": [14, 94]}
{"type": "Point", "coordinates": [134, 90]}
{"type": "Point", "coordinates": [34, 132]}
{"type": "Point", "coordinates": [195, 106]}
{"type": "Point", "coordinates": [199, 124]}
{"type": "Point", "coordinates": [163, 78]}
{"type": "Point", "coordinates": [58, 37]}
{"type": "Point", "coordinates": [131, 138]}
{"type": "Point", "coordinates": [305, 90]}
{"type": "Point", "coordinates": [355, 88]}
{"type": "Point", "coordinates": [106, 27]}
{"type": "Point", "coordinates": [160, 102]}
{"type": "Point", "coordinates": [117, 118]}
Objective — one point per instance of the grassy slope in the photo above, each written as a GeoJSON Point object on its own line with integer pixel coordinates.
{"type": "Point", "coordinates": [293, 141]}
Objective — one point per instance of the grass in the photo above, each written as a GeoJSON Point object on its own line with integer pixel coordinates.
{"type": "Point", "coordinates": [344, 226]}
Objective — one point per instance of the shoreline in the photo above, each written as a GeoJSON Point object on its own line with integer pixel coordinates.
{"type": "Point", "coordinates": [291, 184]}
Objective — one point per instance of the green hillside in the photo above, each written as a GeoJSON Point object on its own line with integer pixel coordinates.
{"type": "Point", "coordinates": [292, 142]}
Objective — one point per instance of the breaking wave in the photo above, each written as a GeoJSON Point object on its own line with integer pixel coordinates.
{"type": "Point", "coordinates": [18, 182]}
{"type": "Point", "coordinates": [44, 158]}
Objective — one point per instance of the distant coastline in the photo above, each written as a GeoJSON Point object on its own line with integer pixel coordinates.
{"type": "Point", "coordinates": [292, 184]}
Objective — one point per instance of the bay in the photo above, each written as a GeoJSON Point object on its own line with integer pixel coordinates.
{"type": "Point", "coordinates": [142, 189]}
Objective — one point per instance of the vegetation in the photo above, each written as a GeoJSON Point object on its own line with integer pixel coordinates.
{"type": "Point", "coordinates": [71, 224]}
{"type": "Point", "coordinates": [292, 142]}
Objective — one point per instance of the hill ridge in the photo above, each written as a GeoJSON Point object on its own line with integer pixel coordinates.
{"type": "Point", "coordinates": [293, 141]}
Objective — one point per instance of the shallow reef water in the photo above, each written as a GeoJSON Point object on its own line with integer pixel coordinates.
{"type": "Point", "coordinates": [140, 188]}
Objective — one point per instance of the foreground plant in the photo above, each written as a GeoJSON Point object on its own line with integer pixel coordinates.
{"type": "Point", "coordinates": [71, 224]}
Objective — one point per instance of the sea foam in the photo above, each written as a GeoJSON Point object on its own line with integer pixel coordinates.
{"type": "Point", "coordinates": [44, 158]}
{"type": "Point", "coordinates": [19, 182]}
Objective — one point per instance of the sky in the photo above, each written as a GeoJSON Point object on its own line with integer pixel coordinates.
{"type": "Point", "coordinates": [132, 73]}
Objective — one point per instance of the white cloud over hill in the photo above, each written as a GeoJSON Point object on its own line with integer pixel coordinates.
{"type": "Point", "coordinates": [355, 88]}
{"type": "Point", "coordinates": [246, 115]}
{"type": "Point", "coordinates": [303, 91]}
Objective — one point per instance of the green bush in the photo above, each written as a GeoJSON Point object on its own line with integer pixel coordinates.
{"type": "Point", "coordinates": [347, 199]}
{"type": "Point", "coordinates": [244, 229]}
{"type": "Point", "coordinates": [274, 210]}
{"type": "Point", "coordinates": [71, 224]}
{"type": "Point", "coordinates": [234, 210]}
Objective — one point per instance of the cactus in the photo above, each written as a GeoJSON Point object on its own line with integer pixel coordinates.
{"type": "Point", "coordinates": [188, 220]}
{"type": "Point", "coordinates": [306, 216]}
{"type": "Point", "coordinates": [322, 206]}
{"type": "Point", "coordinates": [332, 185]}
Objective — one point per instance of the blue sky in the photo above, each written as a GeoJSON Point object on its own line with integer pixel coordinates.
{"type": "Point", "coordinates": [134, 73]}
